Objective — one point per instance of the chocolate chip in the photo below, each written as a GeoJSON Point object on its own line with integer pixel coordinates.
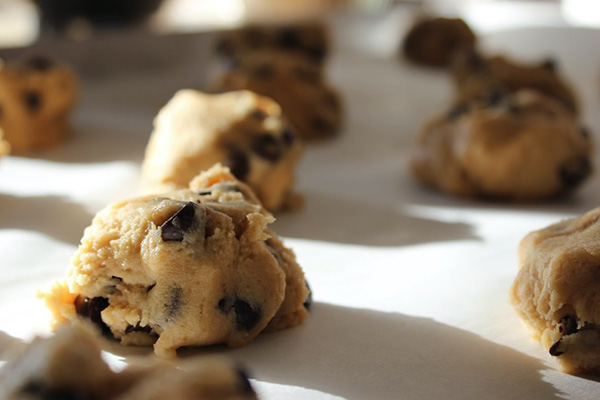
{"type": "Point", "coordinates": [554, 351]}
{"type": "Point", "coordinates": [205, 192]}
{"type": "Point", "coordinates": [92, 309]}
{"type": "Point", "coordinates": [38, 63]}
{"type": "Point", "coordinates": [244, 385]}
{"type": "Point", "coordinates": [238, 163]}
{"type": "Point", "coordinates": [137, 328]}
{"type": "Point", "coordinates": [316, 53]}
{"type": "Point", "coordinates": [32, 99]}
{"type": "Point", "coordinates": [568, 325]}
{"type": "Point", "coordinates": [267, 146]}
{"type": "Point", "coordinates": [289, 38]}
{"type": "Point", "coordinates": [308, 301]}
{"type": "Point", "coordinates": [150, 288]}
{"type": "Point", "coordinates": [263, 71]}
{"type": "Point", "coordinates": [175, 227]}
{"type": "Point", "coordinates": [575, 171]}
{"type": "Point", "coordinates": [274, 250]}
{"type": "Point", "coordinates": [117, 278]}
{"type": "Point", "coordinates": [457, 111]}
{"type": "Point", "coordinates": [173, 307]}
{"type": "Point", "coordinates": [224, 304]}
{"type": "Point", "coordinates": [550, 64]}
{"type": "Point", "coordinates": [245, 316]}
{"type": "Point", "coordinates": [258, 114]}
{"type": "Point", "coordinates": [288, 136]}
{"type": "Point", "coordinates": [42, 391]}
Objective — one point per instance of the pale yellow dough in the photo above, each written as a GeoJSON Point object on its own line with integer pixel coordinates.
{"type": "Point", "coordinates": [190, 267]}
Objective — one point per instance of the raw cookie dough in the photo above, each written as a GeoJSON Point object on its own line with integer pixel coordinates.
{"type": "Point", "coordinates": [557, 291]}
{"type": "Point", "coordinates": [435, 41]}
{"type": "Point", "coordinates": [519, 146]}
{"type": "Point", "coordinates": [475, 75]}
{"type": "Point", "coordinates": [296, 84]}
{"type": "Point", "coordinates": [309, 39]}
{"type": "Point", "coordinates": [191, 267]}
{"type": "Point", "coordinates": [69, 366]}
{"type": "Point", "coordinates": [242, 130]}
{"type": "Point", "coordinates": [36, 98]}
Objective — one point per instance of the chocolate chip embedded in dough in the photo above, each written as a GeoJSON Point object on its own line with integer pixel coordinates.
{"type": "Point", "coordinates": [288, 136]}
{"type": "Point", "coordinates": [554, 349]}
{"type": "Point", "coordinates": [137, 328]}
{"type": "Point", "coordinates": [289, 38]}
{"type": "Point", "coordinates": [246, 317]}
{"type": "Point", "coordinates": [32, 100]}
{"type": "Point", "coordinates": [91, 308]}
{"type": "Point", "coordinates": [308, 301]}
{"type": "Point", "coordinates": [175, 303]}
{"type": "Point", "coordinates": [568, 325]}
{"type": "Point", "coordinates": [238, 163]}
{"type": "Point", "coordinates": [573, 172]}
{"type": "Point", "coordinates": [267, 146]}
{"type": "Point", "coordinates": [244, 385]}
{"type": "Point", "coordinates": [316, 53]}
{"type": "Point", "coordinates": [175, 227]}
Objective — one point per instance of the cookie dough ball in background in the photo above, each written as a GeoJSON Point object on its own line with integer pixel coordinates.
{"type": "Point", "coordinates": [557, 292]}
{"type": "Point", "coordinates": [36, 99]}
{"type": "Point", "coordinates": [434, 41]}
{"type": "Point", "coordinates": [522, 146]}
{"type": "Point", "coordinates": [69, 365]}
{"type": "Point", "coordinates": [309, 39]}
{"type": "Point", "coordinates": [241, 130]}
{"type": "Point", "coordinates": [475, 75]}
{"type": "Point", "coordinates": [191, 267]}
{"type": "Point", "coordinates": [295, 83]}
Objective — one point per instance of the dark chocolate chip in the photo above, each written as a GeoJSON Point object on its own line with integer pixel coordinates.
{"type": "Point", "coordinates": [308, 301]}
{"type": "Point", "coordinates": [42, 391]}
{"type": "Point", "coordinates": [244, 385]}
{"type": "Point", "coordinates": [289, 38]}
{"type": "Point", "coordinates": [263, 71]}
{"type": "Point", "coordinates": [32, 99]}
{"type": "Point", "coordinates": [585, 131]}
{"type": "Point", "coordinates": [246, 317]}
{"type": "Point", "coordinates": [238, 163]}
{"type": "Point", "coordinates": [267, 146]}
{"type": "Point", "coordinates": [550, 64]}
{"type": "Point", "coordinates": [569, 325]}
{"type": "Point", "coordinates": [117, 278]}
{"type": "Point", "coordinates": [92, 309]}
{"type": "Point", "coordinates": [316, 53]}
{"type": "Point", "coordinates": [258, 114]}
{"type": "Point", "coordinates": [205, 192]}
{"type": "Point", "coordinates": [38, 63]}
{"type": "Point", "coordinates": [138, 328]}
{"type": "Point", "coordinates": [175, 303]}
{"type": "Point", "coordinates": [273, 250]}
{"type": "Point", "coordinates": [457, 111]}
{"type": "Point", "coordinates": [150, 288]}
{"type": "Point", "coordinates": [224, 305]}
{"type": "Point", "coordinates": [175, 227]}
{"type": "Point", "coordinates": [554, 351]}
{"type": "Point", "coordinates": [575, 171]}
{"type": "Point", "coordinates": [288, 136]}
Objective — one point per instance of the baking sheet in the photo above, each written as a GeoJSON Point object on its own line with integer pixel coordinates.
{"type": "Point", "coordinates": [410, 286]}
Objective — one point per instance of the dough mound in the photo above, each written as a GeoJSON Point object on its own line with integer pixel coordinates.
{"type": "Point", "coordinates": [520, 146]}
{"type": "Point", "coordinates": [241, 130]}
{"type": "Point", "coordinates": [191, 267]}
{"type": "Point", "coordinates": [297, 84]}
{"type": "Point", "coordinates": [557, 291]}
{"type": "Point", "coordinates": [36, 99]}
{"type": "Point", "coordinates": [69, 366]}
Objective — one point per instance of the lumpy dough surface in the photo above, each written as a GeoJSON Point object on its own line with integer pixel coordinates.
{"type": "Point", "coordinates": [520, 146]}
{"type": "Point", "coordinates": [295, 83]}
{"type": "Point", "coordinates": [69, 365]}
{"type": "Point", "coordinates": [36, 99]}
{"type": "Point", "coordinates": [191, 267]}
{"type": "Point", "coordinates": [241, 130]}
{"type": "Point", "coordinates": [557, 291]}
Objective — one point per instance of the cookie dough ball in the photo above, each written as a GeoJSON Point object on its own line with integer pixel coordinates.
{"type": "Point", "coordinates": [557, 292]}
{"type": "Point", "coordinates": [296, 84]}
{"type": "Point", "coordinates": [309, 39]}
{"type": "Point", "coordinates": [241, 130]}
{"type": "Point", "coordinates": [521, 146]}
{"type": "Point", "coordinates": [36, 98]}
{"type": "Point", "coordinates": [69, 366]}
{"type": "Point", "coordinates": [475, 75]}
{"type": "Point", "coordinates": [191, 267]}
{"type": "Point", "coordinates": [435, 41]}
{"type": "Point", "coordinates": [4, 145]}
